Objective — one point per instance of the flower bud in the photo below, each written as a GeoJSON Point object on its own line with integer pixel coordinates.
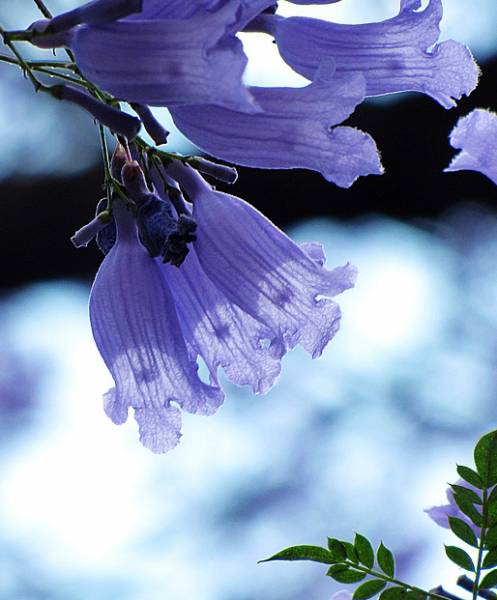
{"type": "Point", "coordinates": [133, 179]}
{"type": "Point", "coordinates": [221, 172]}
{"type": "Point", "coordinates": [96, 12]}
{"type": "Point", "coordinates": [155, 130]}
{"type": "Point", "coordinates": [116, 120]}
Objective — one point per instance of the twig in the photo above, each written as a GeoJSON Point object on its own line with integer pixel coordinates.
{"type": "Point", "coordinates": [43, 9]}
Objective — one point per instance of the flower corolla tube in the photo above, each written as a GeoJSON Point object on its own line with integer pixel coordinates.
{"type": "Point", "coordinates": [211, 280]}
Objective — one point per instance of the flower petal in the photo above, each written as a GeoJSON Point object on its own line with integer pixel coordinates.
{"type": "Point", "coordinates": [137, 332]}
{"type": "Point", "coordinates": [256, 266]}
{"type": "Point", "coordinates": [116, 120]}
{"type": "Point", "coordinates": [167, 62]}
{"type": "Point", "coordinates": [294, 129]}
{"type": "Point", "coordinates": [219, 331]}
{"type": "Point", "coordinates": [313, 1]}
{"type": "Point", "coordinates": [185, 9]}
{"type": "Point", "coordinates": [441, 514]}
{"type": "Point", "coordinates": [476, 136]}
{"type": "Point", "coordinates": [153, 127]}
{"type": "Point", "coordinates": [395, 55]}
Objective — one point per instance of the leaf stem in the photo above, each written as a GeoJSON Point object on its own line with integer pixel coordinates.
{"type": "Point", "coordinates": [55, 64]}
{"type": "Point", "coordinates": [481, 544]}
{"type": "Point", "coordinates": [46, 67]}
{"type": "Point", "coordinates": [110, 182]}
{"type": "Point", "coordinates": [163, 154]}
{"type": "Point", "coordinates": [38, 86]}
{"type": "Point", "coordinates": [385, 577]}
{"type": "Point", "coordinates": [51, 73]}
{"type": "Point", "coordinates": [105, 152]}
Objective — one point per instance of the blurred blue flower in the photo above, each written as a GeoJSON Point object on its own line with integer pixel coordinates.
{"type": "Point", "coordinates": [17, 389]}
{"type": "Point", "coordinates": [441, 514]}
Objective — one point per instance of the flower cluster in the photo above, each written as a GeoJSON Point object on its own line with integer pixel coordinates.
{"type": "Point", "coordinates": [243, 296]}
{"type": "Point", "coordinates": [185, 55]}
{"type": "Point", "coordinates": [192, 273]}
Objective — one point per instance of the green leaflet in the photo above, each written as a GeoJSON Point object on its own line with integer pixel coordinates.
{"type": "Point", "coordinates": [463, 531]}
{"type": "Point", "coordinates": [385, 560]}
{"type": "Point", "coordinates": [485, 456]}
{"type": "Point", "coordinates": [414, 595]}
{"type": "Point", "coordinates": [314, 553]}
{"type": "Point", "coordinates": [364, 550]}
{"type": "Point", "coordinates": [471, 495]}
{"type": "Point", "coordinates": [470, 476]}
{"type": "Point", "coordinates": [337, 550]}
{"type": "Point", "coordinates": [490, 559]}
{"type": "Point", "coordinates": [491, 537]}
{"type": "Point", "coordinates": [468, 508]}
{"type": "Point", "coordinates": [369, 589]}
{"type": "Point", "coordinates": [460, 557]}
{"type": "Point", "coordinates": [490, 580]}
{"type": "Point", "coordinates": [393, 593]}
{"type": "Point", "coordinates": [492, 497]}
{"type": "Point", "coordinates": [345, 574]}
{"type": "Point", "coordinates": [351, 552]}
{"type": "Point", "coordinates": [491, 513]}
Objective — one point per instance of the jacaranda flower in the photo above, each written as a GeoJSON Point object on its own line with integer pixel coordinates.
{"type": "Point", "coordinates": [185, 55]}
{"type": "Point", "coordinates": [294, 129]}
{"type": "Point", "coordinates": [164, 58]}
{"type": "Point", "coordinates": [396, 55]}
{"type": "Point", "coordinates": [475, 135]}
{"type": "Point", "coordinates": [234, 291]}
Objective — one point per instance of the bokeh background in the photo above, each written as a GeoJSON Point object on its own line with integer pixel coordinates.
{"type": "Point", "coordinates": [362, 439]}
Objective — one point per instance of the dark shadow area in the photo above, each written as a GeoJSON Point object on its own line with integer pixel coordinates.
{"type": "Point", "coordinates": [38, 216]}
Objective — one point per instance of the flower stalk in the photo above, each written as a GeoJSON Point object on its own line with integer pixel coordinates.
{"type": "Point", "coordinates": [43, 9]}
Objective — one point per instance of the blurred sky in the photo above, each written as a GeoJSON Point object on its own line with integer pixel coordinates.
{"type": "Point", "coordinates": [362, 439]}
